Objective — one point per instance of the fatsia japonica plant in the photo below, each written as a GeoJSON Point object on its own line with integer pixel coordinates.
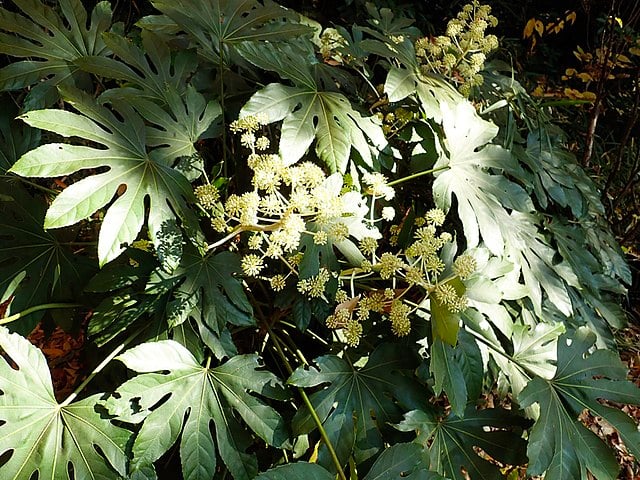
{"type": "Point", "coordinates": [303, 250]}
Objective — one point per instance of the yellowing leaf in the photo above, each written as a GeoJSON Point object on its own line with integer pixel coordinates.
{"type": "Point", "coordinates": [571, 17]}
{"type": "Point", "coordinates": [529, 28]}
{"type": "Point", "coordinates": [584, 76]}
{"type": "Point", "coordinates": [634, 51]}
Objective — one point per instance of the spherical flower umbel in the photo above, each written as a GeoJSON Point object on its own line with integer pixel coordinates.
{"type": "Point", "coordinates": [464, 266]}
{"type": "Point", "coordinates": [207, 195]}
{"type": "Point", "coordinates": [252, 265]}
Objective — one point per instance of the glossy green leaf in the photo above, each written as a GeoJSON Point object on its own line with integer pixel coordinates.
{"type": "Point", "coordinates": [558, 443]}
{"type": "Point", "coordinates": [448, 376]}
{"type": "Point", "coordinates": [308, 471]}
{"type": "Point", "coordinates": [356, 403]}
{"type": "Point", "coordinates": [401, 461]}
{"type": "Point", "coordinates": [308, 112]}
{"type": "Point", "coordinates": [534, 353]}
{"type": "Point", "coordinates": [209, 290]}
{"type": "Point", "coordinates": [450, 442]}
{"type": "Point", "coordinates": [49, 269]}
{"type": "Point", "coordinates": [147, 175]}
{"type": "Point", "coordinates": [40, 435]}
{"type": "Point", "coordinates": [217, 25]}
{"type": "Point", "coordinates": [150, 70]}
{"type": "Point", "coordinates": [56, 41]}
{"type": "Point", "coordinates": [190, 399]}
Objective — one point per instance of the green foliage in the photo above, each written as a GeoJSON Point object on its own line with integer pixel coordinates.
{"type": "Point", "coordinates": [559, 444]}
{"type": "Point", "coordinates": [45, 436]}
{"type": "Point", "coordinates": [57, 40]}
{"type": "Point", "coordinates": [327, 261]}
{"type": "Point", "coordinates": [449, 441]}
{"type": "Point", "coordinates": [362, 396]}
{"type": "Point", "coordinates": [188, 399]}
{"type": "Point", "coordinates": [145, 174]}
{"type": "Point", "coordinates": [308, 112]}
{"type": "Point", "coordinates": [49, 271]}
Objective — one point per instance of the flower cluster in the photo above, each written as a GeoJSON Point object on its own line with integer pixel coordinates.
{"type": "Point", "coordinates": [460, 54]}
{"type": "Point", "coordinates": [286, 203]}
{"type": "Point", "coordinates": [330, 43]}
{"type": "Point", "coordinates": [417, 273]}
{"type": "Point", "coordinates": [291, 203]}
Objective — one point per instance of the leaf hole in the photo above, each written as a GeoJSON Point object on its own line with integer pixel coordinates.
{"type": "Point", "coordinates": [71, 471]}
{"type": "Point", "coordinates": [9, 361]}
{"type": "Point", "coordinates": [5, 457]}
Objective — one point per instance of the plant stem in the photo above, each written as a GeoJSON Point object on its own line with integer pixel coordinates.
{"type": "Point", "coordinates": [100, 367]}
{"type": "Point", "coordinates": [504, 354]}
{"type": "Point", "coordinates": [225, 167]}
{"type": "Point", "coordinates": [416, 175]}
{"type": "Point", "coordinates": [37, 308]}
{"type": "Point", "coordinates": [312, 411]}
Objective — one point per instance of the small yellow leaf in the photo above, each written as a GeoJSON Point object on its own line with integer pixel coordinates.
{"type": "Point", "coordinates": [539, 27]}
{"type": "Point", "coordinates": [528, 28]}
{"type": "Point", "coordinates": [571, 17]}
{"type": "Point", "coordinates": [634, 51]}
{"type": "Point", "coordinates": [585, 77]}
{"type": "Point", "coordinates": [623, 58]}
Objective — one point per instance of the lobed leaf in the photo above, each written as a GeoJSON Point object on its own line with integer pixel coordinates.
{"type": "Point", "coordinates": [189, 399]}
{"type": "Point", "coordinates": [309, 113]}
{"type": "Point", "coordinates": [450, 442]}
{"type": "Point", "coordinates": [357, 403]}
{"type": "Point", "coordinates": [558, 443]}
{"type": "Point", "coordinates": [57, 41]}
{"type": "Point", "coordinates": [146, 175]}
{"type": "Point", "coordinates": [37, 434]}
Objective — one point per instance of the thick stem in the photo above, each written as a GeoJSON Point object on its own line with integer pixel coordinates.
{"type": "Point", "coordinates": [37, 308]}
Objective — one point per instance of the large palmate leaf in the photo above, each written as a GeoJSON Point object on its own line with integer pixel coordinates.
{"type": "Point", "coordinates": [308, 112]}
{"type": "Point", "coordinates": [57, 41]}
{"type": "Point", "coordinates": [430, 91]}
{"type": "Point", "coordinates": [482, 196]}
{"type": "Point", "coordinates": [493, 208]}
{"type": "Point", "coordinates": [401, 461]}
{"type": "Point", "coordinates": [217, 25]}
{"type": "Point", "coordinates": [558, 443]}
{"type": "Point", "coordinates": [149, 70]}
{"type": "Point", "coordinates": [147, 175]}
{"type": "Point", "coordinates": [37, 434]}
{"type": "Point", "coordinates": [209, 291]}
{"type": "Point", "coordinates": [192, 399]}
{"type": "Point", "coordinates": [357, 403]}
{"type": "Point", "coordinates": [50, 270]}
{"type": "Point", "coordinates": [534, 353]}
{"type": "Point", "coordinates": [159, 91]}
{"type": "Point", "coordinates": [450, 442]}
